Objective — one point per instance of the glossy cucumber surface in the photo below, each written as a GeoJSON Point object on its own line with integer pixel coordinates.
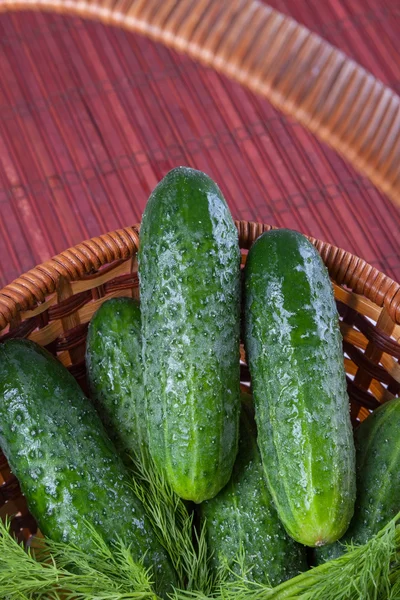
{"type": "Point", "coordinates": [294, 350]}
{"type": "Point", "coordinates": [242, 519]}
{"type": "Point", "coordinates": [189, 269]}
{"type": "Point", "coordinates": [378, 478]}
{"type": "Point", "coordinates": [68, 468]}
{"type": "Point", "coordinates": [115, 372]}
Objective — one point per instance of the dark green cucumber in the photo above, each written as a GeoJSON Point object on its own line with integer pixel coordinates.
{"type": "Point", "coordinates": [294, 349]}
{"type": "Point", "coordinates": [189, 269]}
{"type": "Point", "coordinates": [242, 519]}
{"type": "Point", "coordinates": [115, 372]}
{"type": "Point", "coordinates": [378, 478]}
{"type": "Point", "coordinates": [66, 464]}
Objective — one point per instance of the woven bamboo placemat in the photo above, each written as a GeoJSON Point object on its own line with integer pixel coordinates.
{"type": "Point", "coordinates": [92, 117]}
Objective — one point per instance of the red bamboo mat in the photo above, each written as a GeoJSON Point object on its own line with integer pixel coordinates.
{"type": "Point", "coordinates": [92, 117]}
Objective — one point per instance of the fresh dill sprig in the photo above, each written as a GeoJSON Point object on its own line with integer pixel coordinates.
{"type": "Point", "coordinates": [58, 570]}
{"type": "Point", "coordinates": [174, 526]}
{"type": "Point", "coordinates": [109, 573]}
{"type": "Point", "coordinates": [368, 572]}
{"type": "Point", "coordinates": [61, 571]}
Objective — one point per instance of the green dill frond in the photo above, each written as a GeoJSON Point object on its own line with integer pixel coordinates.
{"type": "Point", "coordinates": [233, 574]}
{"type": "Point", "coordinates": [368, 572]}
{"type": "Point", "coordinates": [108, 564]}
{"type": "Point", "coordinates": [59, 570]}
{"type": "Point", "coordinates": [173, 525]}
{"type": "Point", "coordinates": [362, 572]}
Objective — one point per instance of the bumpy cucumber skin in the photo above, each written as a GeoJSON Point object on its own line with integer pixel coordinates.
{"type": "Point", "coordinates": [115, 372]}
{"type": "Point", "coordinates": [243, 516]}
{"type": "Point", "coordinates": [294, 349]}
{"type": "Point", "coordinates": [66, 464]}
{"type": "Point", "coordinates": [378, 478]}
{"type": "Point", "coordinates": [189, 269]}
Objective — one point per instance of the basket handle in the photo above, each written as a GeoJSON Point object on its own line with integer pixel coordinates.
{"type": "Point", "coordinates": [271, 54]}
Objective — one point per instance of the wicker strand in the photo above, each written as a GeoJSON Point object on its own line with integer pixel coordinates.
{"type": "Point", "coordinates": [299, 72]}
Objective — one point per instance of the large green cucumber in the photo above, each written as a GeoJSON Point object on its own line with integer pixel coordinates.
{"type": "Point", "coordinates": [378, 478]}
{"type": "Point", "coordinates": [66, 464]}
{"type": "Point", "coordinates": [242, 519]}
{"type": "Point", "coordinates": [115, 372]}
{"type": "Point", "coordinates": [295, 356]}
{"type": "Point", "coordinates": [189, 269]}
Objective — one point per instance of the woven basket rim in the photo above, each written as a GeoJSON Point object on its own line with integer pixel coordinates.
{"type": "Point", "coordinates": [83, 259]}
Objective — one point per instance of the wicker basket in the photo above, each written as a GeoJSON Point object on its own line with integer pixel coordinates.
{"type": "Point", "coordinates": [53, 303]}
{"type": "Point", "coordinates": [303, 76]}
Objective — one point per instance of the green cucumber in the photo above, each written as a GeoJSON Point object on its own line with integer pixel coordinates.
{"type": "Point", "coordinates": [115, 372]}
{"type": "Point", "coordinates": [189, 270]}
{"type": "Point", "coordinates": [66, 464]}
{"type": "Point", "coordinates": [242, 520]}
{"type": "Point", "coordinates": [378, 478]}
{"type": "Point", "coordinates": [294, 349]}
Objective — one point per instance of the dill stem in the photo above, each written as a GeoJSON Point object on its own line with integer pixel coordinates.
{"type": "Point", "coordinates": [293, 587]}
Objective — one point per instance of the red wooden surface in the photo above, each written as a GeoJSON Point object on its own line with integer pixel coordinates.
{"type": "Point", "coordinates": [92, 117]}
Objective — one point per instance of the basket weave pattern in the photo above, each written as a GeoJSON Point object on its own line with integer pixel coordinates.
{"type": "Point", "coordinates": [53, 304]}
